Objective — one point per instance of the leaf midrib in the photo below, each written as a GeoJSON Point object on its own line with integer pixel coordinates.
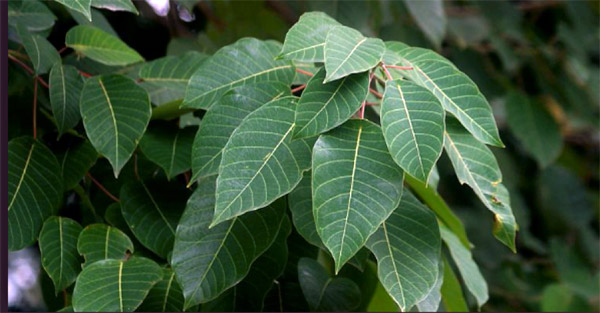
{"type": "Point", "coordinates": [114, 118]}
{"type": "Point", "coordinates": [27, 161]}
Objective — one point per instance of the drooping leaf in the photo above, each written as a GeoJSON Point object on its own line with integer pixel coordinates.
{"type": "Point", "coordinates": [229, 67]}
{"type": "Point", "coordinates": [430, 17]}
{"type": "Point", "coordinates": [305, 41]}
{"type": "Point", "coordinates": [469, 270]}
{"type": "Point", "coordinates": [34, 190]}
{"type": "Point", "coordinates": [407, 247]}
{"type": "Point", "coordinates": [356, 185]}
{"type": "Point", "coordinates": [115, 113]}
{"type": "Point", "coordinates": [101, 46]}
{"type": "Point", "coordinates": [101, 242]}
{"type": "Point", "coordinates": [223, 118]}
{"type": "Point", "coordinates": [535, 128]}
{"type": "Point", "coordinates": [165, 296]}
{"type": "Point", "coordinates": [412, 121]}
{"type": "Point", "coordinates": [58, 247]}
{"type": "Point", "coordinates": [476, 166]}
{"type": "Point", "coordinates": [452, 294]}
{"type": "Point", "coordinates": [65, 92]}
{"type": "Point", "coordinates": [152, 211]}
{"type": "Point", "coordinates": [40, 51]}
{"type": "Point", "coordinates": [260, 162]}
{"type": "Point", "coordinates": [324, 293]}
{"type": "Point", "coordinates": [33, 14]}
{"type": "Point", "coordinates": [169, 147]}
{"type": "Point", "coordinates": [200, 253]}
{"type": "Point", "coordinates": [81, 6]}
{"type": "Point", "coordinates": [115, 285]}
{"type": "Point", "coordinates": [325, 106]}
{"type": "Point", "coordinates": [115, 5]}
{"type": "Point", "coordinates": [347, 51]}
{"type": "Point", "coordinates": [75, 161]}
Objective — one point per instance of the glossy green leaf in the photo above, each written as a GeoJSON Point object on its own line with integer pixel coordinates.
{"type": "Point", "coordinates": [34, 190]}
{"type": "Point", "coordinates": [115, 285]}
{"type": "Point", "coordinates": [452, 294]}
{"type": "Point", "coordinates": [41, 52]}
{"type": "Point", "coordinates": [165, 296]}
{"type": "Point", "coordinates": [347, 51]}
{"type": "Point", "coordinates": [58, 247]}
{"type": "Point", "coordinates": [81, 6]}
{"type": "Point", "coordinates": [535, 128]}
{"type": "Point", "coordinates": [65, 92]}
{"type": "Point", "coordinates": [100, 241]}
{"type": "Point", "coordinates": [169, 147]}
{"type": "Point", "coordinates": [33, 14]}
{"type": "Point", "coordinates": [476, 166]}
{"type": "Point", "coordinates": [356, 185]}
{"type": "Point", "coordinates": [325, 293]}
{"type": "Point", "coordinates": [407, 246]}
{"type": "Point", "coordinates": [229, 67]}
{"type": "Point", "coordinates": [430, 17]}
{"type": "Point", "coordinates": [326, 106]}
{"type": "Point", "coordinates": [101, 46]}
{"type": "Point", "coordinates": [412, 121]}
{"type": "Point", "coordinates": [201, 254]}
{"type": "Point", "coordinates": [152, 211]}
{"type": "Point", "coordinates": [115, 113]}
{"type": "Point", "coordinates": [223, 118]}
{"type": "Point", "coordinates": [75, 161]}
{"type": "Point", "coordinates": [305, 41]}
{"type": "Point", "coordinates": [260, 162]}
{"type": "Point", "coordinates": [115, 5]}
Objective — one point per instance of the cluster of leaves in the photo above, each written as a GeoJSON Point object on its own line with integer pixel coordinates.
{"type": "Point", "coordinates": [263, 171]}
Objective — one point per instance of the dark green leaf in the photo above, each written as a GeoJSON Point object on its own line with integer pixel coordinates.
{"type": "Point", "coordinates": [101, 46]}
{"type": "Point", "coordinates": [75, 161]}
{"type": "Point", "coordinates": [41, 52]}
{"type": "Point", "coordinates": [169, 147]}
{"type": "Point", "coordinates": [100, 242]}
{"type": "Point", "coordinates": [430, 17]}
{"type": "Point", "coordinates": [305, 41]}
{"type": "Point", "coordinates": [452, 294]}
{"type": "Point", "coordinates": [98, 21]}
{"type": "Point", "coordinates": [115, 5]}
{"type": "Point", "coordinates": [81, 6]}
{"type": "Point", "coordinates": [165, 296]}
{"type": "Point", "coordinates": [65, 92]}
{"type": "Point", "coordinates": [32, 14]}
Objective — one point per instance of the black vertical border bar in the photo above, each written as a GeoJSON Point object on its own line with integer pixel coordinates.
{"type": "Point", "coordinates": [3, 157]}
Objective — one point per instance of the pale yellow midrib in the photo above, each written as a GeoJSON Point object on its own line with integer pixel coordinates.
{"type": "Point", "coordinates": [114, 118]}
{"type": "Point", "coordinates": [27, 161]}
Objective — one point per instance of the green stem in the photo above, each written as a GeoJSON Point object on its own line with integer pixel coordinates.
{"type": "Point", "coordinates": [85, 200]}
{"type": "Point", "coordinates": [169, 111]}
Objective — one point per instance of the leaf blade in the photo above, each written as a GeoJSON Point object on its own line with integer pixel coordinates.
{"type": "Point", "coordinates": [101, 46]}
{"type": "Point", "coordinates": [305, 41]}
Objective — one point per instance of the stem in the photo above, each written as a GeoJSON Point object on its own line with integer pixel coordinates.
{"type": "Point", "coordinates": [85, 200]}
{"type": "Point", "coordinates": [375, 93]}
{"type": "Point", "coordinates": [361, 114]}
{"type": "Point", "coordinates": [62, 50]}
{"type": "Point", "coordinates": [35, 91]}
{"type": "Point", "coordinates": [84, 74]}
{"type": "Point", "coordinates": [97, 183]}
{"type": "Point", "coordinates": [399, 67]}
{"type": "Point", "coordinates": [28, 69]}
{"type": "Point", "coordinates": [301, 71]}
{"type": "Point", "coordinates": [387, 73]}
{"type": "Point", "coordinates": [298, 88]}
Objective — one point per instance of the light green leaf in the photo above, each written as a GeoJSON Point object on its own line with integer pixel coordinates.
{"type": "Point", "coordinates": [326, 106]}
{"type": "Point", "coordinates": [324, 293]}
{"type": "Point", "coordinates": [535, 128]}
{"type": "Point", "coordinates": [75, 161]}
{"type": "Point", "coordinates": [223, 118]}
{"type": "Point", "coordinates": [98, 21]}
{"type": "Point", "coordinates": [32, 14]}
{"type": "Point", "coordinates": [200, 254]}
{"type": "Point", "coordinates": [412, 120]}
{"type": "Point", "coordinates": [452, 294]}
{"type": "Point", "coordinates": [115, 113]}
{"type": "Point", "coordinates": [101, 242]}
{"type": "Point", "coordinates": [152, 211]}
{"type": "Point", "coordinates": [408, 247]}
{"type": "Point", "coordinates": [468, 268]}
{"type": "Point", "coordinates": [165, 296]}
{"type": "Point", "coordinates": [81, 6]}
{"type": "Point", "coordinates": [101, 46]}
{"type": "Point", "coordinates": [169, 147]}
{"type": "Point", "coordinates": [229, 67]}
{"type": "Point", "coordinates": [430, 17]}
{"type": "Point", "coordinates": [115, 285]}
{"type": "Point", "coordinates": [356, 185]}
{"type": "Point", "coordinates": [347, 51]}
{"type": "Point", "coordinates": [58, 247]}
{"type": "Point", "coordinates": [115, 5]}
{"type": "Point", "coordinates": [65, 93]}
{"type": "Point", "coordinates": [34, 190]}
{"type": "Point", "coordinates": [305, 41]}
{"type": "Point", "coordinates": [476, 166]}
{"type": "Point", "coordinates": [41, 52]}
{"type": "Point", "coordinates": [260, 162]}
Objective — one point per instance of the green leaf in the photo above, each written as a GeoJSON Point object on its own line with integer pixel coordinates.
{"type": "Point", "coordinates": [98, 21]}
{"type": "Point", "coordinates": [75, 161]}
{"type": "Point", "coordinates": [326, 106]}
{"type": "Point", "coordinates": [42, 53]}
{"type": "Point", "coordinates": [223, 118]}
{"type": "Point", "coordinates": [169, 147]}
{"type": "Point", "coordinates": [467, 267]}
{"type": "Point", "coordinates": [300, 203]}
{"type": "Point", "coordinates": [65, 92]}
{"type": "Point", "coordinates": [81, 6]}
{"type": "Point", "coordinates": [115, 285]}
{"type": "Point", "coordinates": [115, 5]}
{"type": "Point", "coordinates": [200, 254]}
{"type": "Point", "coordinates": [347, 51]}
{"type": "Point", "coordinates": [34, 190]}
{"type": "Point", "coordinates": [229, 67]}
{"type": "Point", "coordinates": [356, 186]}
{"type": "Point", "coordinates": [324, 293]}
{"type": "Point", "coordinates": [32, 14]}
{"type": "Point", "coordinates": [452, 294]}
{"type": "Point", "coordinates": [58, 247]}
{"type": "Point", "coordinates": [305, 41]}
{"type": "Point", "coordinates": [101, 46]}
{"type": "Point", "coordinates": [476, 166]}
{"type": "Point", "coordinates": [432, 301]}
{"type": "Point", "coordinates": [430, 17]}
{"type": "Point", "coordinates": [100, 241]}
{"type": "Point", "coordinates": [152, 211]}
{"type": "Point", "coordinates": [165, 79]}
{"type": "Point", "coordinates": [412, 121]}
{"type": "Point", "coordinates": [115, 113]}
{"type": "Point", "coordinates": [535, 128]}
{"type": "Point", "coordinates": [573, 271]}
{"type": "Point", "coordinates": [165, 296]}
{"type": "Point", "coordinates": [260, 162]}
{"type": "Point", "coordinates": [407, 247]}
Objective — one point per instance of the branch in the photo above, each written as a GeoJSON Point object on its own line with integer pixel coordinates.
{"type": "Point", "coordinates": [28, 69]}
{"type": "Point", "coordinates": [304, 72]}
{"type": "Point", "coordinates": [301, 87]}
{"type": "Point", "coordinates": [97, 183]}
